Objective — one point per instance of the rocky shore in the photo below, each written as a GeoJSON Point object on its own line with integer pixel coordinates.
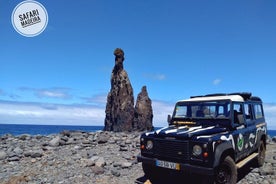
{"type": "Point", "coordinates": [97, 157]}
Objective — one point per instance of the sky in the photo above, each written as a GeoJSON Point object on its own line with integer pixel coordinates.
{"type": "Point", "coordinates": [177, 48]}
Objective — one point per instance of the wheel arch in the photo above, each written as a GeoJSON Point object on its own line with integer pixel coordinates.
{"type": "Point", "coordinates": [223, 150]}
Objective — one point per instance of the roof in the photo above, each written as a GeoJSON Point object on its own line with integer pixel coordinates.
{"type": "Point", "coordinates": [236, 98]}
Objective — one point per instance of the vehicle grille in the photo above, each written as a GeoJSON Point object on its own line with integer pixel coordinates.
{"type": "Point", "coordinates": [171, 149]}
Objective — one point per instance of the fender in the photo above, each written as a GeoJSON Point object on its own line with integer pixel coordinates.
{"type": "Point", "coordinates": [220, 149]}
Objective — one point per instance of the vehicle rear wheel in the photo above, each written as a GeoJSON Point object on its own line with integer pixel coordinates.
{"type": "Point", "coordinates": [226, 172]}
{"type": "Point", "coordinates": [261, 154]}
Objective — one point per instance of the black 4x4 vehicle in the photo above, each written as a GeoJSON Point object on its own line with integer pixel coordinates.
{"type": "Point", "coordinates": [211, 135]}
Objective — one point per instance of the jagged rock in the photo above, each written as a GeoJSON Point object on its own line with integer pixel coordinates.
{"type": "Point", "coordinates": [120, 101]}
{"type": "Point", "coordinates": [143, 111]}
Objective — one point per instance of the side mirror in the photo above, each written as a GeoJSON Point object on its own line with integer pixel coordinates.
{"type": "Point", "coordinates": [169, 119]}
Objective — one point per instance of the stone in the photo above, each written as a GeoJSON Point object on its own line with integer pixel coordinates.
{"type": "Point", "coordinates": [24, 137]}
{"type": "Point", "coordinates": [103, 138]}
{"type": "Point", "coordinates": [3, 155]}
{"type": "Point", "coordinates": [120, 100]}
{"type": "Point", "coordinates": [13, 158]}
{"type": "Point", "coordinates": [94, 158]}
{"type": "Point", "coordinates": [126, 165]}
{"type": "Point", "coordinates": [117, 164]}
{"type": "Point", "coordinates": [89, 163]}
{"type": "Point", "coordinates": [55, 141]}
{"type": "Point", "coordinates": [66, 133]}
{"type": "Point", "coordinates": [100, 162]}
{"type": "Point", "coordinates": [97, 170]}
{"type": "Point", "coordinates": [115, 172]}
{"type": "Point", "coordinates": [36, 154]}
{"type": "Point", "coordinates": [18, 151]}
{"type": "Point", "coordinates": [274, 139]}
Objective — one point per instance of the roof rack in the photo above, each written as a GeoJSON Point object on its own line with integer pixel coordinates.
{"type": "Point", "coordinates": [255, 98]}
{"type": "Point", "coordinates": [244, 95]}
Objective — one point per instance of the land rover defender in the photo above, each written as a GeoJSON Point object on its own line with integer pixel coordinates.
{"type": "Point", "coordinates": [211, 135]}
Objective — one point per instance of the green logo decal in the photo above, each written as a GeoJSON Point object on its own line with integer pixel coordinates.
{"type": "Point", "coordinates": [240, 142]}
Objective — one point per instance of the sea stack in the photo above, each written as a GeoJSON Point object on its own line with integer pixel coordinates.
{"type": "Point", "coordinates": [143, 111]}
{"type": "Point", "coordinates": [120, 101]}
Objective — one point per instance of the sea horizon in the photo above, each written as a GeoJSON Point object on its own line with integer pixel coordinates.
{"type": "Point", "coordinates": [40, 129]}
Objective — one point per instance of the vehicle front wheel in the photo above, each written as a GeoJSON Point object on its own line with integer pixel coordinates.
{"type": "Point", "coordinates": [150, 172]}
{"type": "Point", "coordinates": [226, 172]}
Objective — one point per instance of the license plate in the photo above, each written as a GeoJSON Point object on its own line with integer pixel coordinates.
{"type": "Point", "coordinates": [169, 165]}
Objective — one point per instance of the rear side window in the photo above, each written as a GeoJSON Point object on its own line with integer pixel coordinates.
{"type": "Point", "coordinates": [258, 111]}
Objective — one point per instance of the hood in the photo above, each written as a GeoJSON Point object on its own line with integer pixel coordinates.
{"type": "Point", "coordinates": [187, 131]}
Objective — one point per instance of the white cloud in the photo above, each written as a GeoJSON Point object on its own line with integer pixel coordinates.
{"type": "Point", "coordinates": [36, 113]}
{"type": "Point", "coordinates": [270, 115]}
{"type": "Point", "coordinates": [100, 99]}
{"type": "Point", "coordinates": [217, 81]}
{"type": "Point", "coordinates": [161, 110]}
{"type": "Point", "coordinates": [54, 92]}
{"type": "Point", "coordinates": [57, 114]}
{"type": "Point", "coordinates": [155, 76]}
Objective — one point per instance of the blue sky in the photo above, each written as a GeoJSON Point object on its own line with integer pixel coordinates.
{"type": "Point", "coordinates": [176, 48]}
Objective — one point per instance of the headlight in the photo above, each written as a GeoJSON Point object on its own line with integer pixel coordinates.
{"type": "Point", "coordinates": [197, 150]}
{"type": "Point", "coordinates": [149, 145]}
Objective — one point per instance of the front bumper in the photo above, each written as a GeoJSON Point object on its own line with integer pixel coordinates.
{"type": "Point", "coordinates": [183, 167]}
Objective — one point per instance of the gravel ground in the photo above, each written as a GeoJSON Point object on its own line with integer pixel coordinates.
{"type": "Point", "coordinates": [98, 157]}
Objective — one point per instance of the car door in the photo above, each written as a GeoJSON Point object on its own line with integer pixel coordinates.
{"type": "Point", "coordinates": [242, 131]}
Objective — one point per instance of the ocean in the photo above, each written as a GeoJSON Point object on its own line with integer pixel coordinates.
{"type": "Point", "coordinates": [18, 129]}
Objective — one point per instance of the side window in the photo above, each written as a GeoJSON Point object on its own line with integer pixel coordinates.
{"type": "Point", "coordinates": [248, 112]}
{"type": "Point", "coordinates": [181, 111]}
{"type": "Point", "coordinates": [238, 113]}
{"type": "Point", "coordinates": [220, 110]}
{"type": "Point", "coordinates": [258, 111]}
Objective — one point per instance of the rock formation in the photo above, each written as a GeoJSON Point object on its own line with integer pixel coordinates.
{"type": "Point", "coordinates": [120, 112]}
{"type": "Point", "coordinates": [120, 101]}
{"type": "Point", "coordinates": [143, 111]}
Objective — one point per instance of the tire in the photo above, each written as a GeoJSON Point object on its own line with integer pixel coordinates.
{"type": "Point", "coordinates": [261, 154]}
{"type": "Point", "coordinates": [226, 172]}
{"type": "Point", "coordinates": [150, 172]}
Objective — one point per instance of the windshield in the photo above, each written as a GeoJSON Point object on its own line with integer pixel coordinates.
{"type": "Point", "coordinates": [206, 109]}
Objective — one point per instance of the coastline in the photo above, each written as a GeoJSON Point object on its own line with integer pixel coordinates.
{"type": "Point", "coordinates": [32, 129]}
